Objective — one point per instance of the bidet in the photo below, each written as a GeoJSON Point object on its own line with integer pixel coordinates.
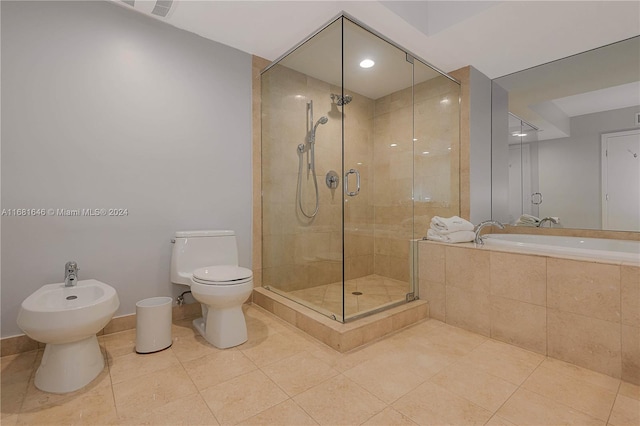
{"type": "Point", "coordinates": [67, 320]}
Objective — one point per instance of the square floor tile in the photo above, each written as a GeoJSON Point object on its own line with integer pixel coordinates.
{"type": "Point", "coordinates": [583, 396]}
{"type": "Point", "coordinates": [299, 372]}
{"type": "Point", "coordinates": [479, 387]}
{"type": "Point", "coordinates": [242, 397]}
{"type": "Point", "coordinates": [152, 390]}
{"type": "Point", "coordinates": [529, 408]}
{"type": "Point", "coordinates": [218, 367]}
{"type": "Point", "coordinates": [626, 411]}
{"type": "Point", "coordinates": [432, 404]}
{"type": "Point", "coordinates": [90, 408]}
{"type": "Point", "coordinates": [339, 401]}
{"type": "Point", "coordinates": [287, 413]}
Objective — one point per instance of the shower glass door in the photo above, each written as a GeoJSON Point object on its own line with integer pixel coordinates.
{"type": "Point", "coordinates": [377, 103]}
{"type": "Point", "coordinates": [302, 174]}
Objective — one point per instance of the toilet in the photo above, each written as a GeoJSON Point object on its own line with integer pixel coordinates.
{"type": "Point", "coordinates": [207, 261]}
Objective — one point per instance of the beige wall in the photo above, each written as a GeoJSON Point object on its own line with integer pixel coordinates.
{"type": "Point", "coordinates": [580, 311]}
{"type": "Point", "coordinates": [257, 65]}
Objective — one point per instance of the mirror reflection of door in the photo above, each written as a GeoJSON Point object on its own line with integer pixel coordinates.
{"type": "Point", "coordinates": [621, 180]}
{"type": "Point", "coordinates": [523, 175]}
{"type": "Point", "coordinates": [520, 189]}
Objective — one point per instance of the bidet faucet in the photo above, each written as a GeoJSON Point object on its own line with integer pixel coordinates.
{"type": "Point", "coordinates": [479, 240]}
{"type": "Point", "coordinates": [71, 274]}
{"type": "Point", "coordinates": [548, 219]}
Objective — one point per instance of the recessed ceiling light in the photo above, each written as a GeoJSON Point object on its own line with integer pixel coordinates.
{"type": "Point", "coordinates": [520, 134]}
{"type": "Point", "coordinates": [415, 140]}
{"type": "Point", "coordinates": [367, 63]}
{"type": "Point", "coordinates": [449, 148]}
{"type": "Point", "coordinates": [394, 144]}
{"type": "Point", "coordinates": [444, 101]}
{"type": "Point", "coordinates": [359, 164]}
{"type": "Point", "coordinates": [425, 152]}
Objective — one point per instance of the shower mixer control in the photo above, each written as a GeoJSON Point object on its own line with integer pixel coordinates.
{"type": "Point", "coordinates": [332, 179]}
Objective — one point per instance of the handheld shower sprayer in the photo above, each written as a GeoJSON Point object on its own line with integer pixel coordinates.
{"type": "Point", "coordinates": [311, 164]}
{"type": "Point", "coordinates": [321, 120]}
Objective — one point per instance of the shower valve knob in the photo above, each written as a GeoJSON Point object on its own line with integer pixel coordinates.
{"type": "Point", "coordinates": [332, 180]}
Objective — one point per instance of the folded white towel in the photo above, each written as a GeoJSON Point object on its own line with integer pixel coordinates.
{"type": "Point", "coordinates": [527, 218]}
{"type": "Point", "coordinates": [452, 237]}
{"type": "Point", "coordinates": [450, 224]}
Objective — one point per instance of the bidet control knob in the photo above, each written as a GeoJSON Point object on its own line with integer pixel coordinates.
{"type": "Point", "coordinates": [71, 267]}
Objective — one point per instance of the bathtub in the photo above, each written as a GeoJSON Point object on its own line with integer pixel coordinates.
{"type": "Point", "coordinates": [590, 248]}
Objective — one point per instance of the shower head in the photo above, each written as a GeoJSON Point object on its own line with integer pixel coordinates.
{"type": "Point", "coordinates": [341, 100]}
{"type": "Point", "coordinates": [321, 120]}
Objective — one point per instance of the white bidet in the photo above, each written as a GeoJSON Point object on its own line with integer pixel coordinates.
{"type": "Point", "coordinates": [67, 320]}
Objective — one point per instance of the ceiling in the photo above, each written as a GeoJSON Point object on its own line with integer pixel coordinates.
{"type": "Point", "coordinates": [497, 38]}
{"type": "Point", "coordinates": [321, 58]}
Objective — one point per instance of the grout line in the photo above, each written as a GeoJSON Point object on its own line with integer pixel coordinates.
{"type": "Point", "coordinates": [614, 402]}
{"type": "Point", "coordinates": [32, 374]}
{"type": "Point", "coordinates": [113, 393]}
{"type": "Point", "coordinates": [198, 391]}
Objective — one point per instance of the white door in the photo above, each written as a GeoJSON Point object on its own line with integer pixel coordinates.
{"type": "Point", "coordinates": [519, 181]}
{"type": "Point", "coordinates": [621, 181]}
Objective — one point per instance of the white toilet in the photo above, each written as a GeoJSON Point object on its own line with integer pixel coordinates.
{"type": "Point", "coordinates": [207, 261]}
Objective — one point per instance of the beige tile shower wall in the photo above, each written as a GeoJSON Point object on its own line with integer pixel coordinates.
{"type": "Point", "coordinates": [583, 312]}
{"type": "Point", "coordinates": [436, 173]}
{"type": "Point", "coordinates": [298, 252]}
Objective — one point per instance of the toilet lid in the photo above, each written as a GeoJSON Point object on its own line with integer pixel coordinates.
{"type": "Point", "coordinates": [219, 274]}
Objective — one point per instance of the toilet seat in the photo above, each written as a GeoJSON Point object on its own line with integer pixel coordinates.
{"type": "Point", "coordinates": [222, 275]}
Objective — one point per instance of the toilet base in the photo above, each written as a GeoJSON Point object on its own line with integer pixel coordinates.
{"type": "Point", "coordinates": [223, 328]}
{"type": "Point", "coordinates": [70, 366]}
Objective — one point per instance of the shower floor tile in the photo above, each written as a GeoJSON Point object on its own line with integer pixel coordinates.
{"type": "Point", "coordinates": [376, 291]}
{"type": "Point", "coordinates": [428, 373]}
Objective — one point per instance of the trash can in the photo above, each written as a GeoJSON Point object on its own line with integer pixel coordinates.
{"type": "Point", "coordinates": [153, 324]}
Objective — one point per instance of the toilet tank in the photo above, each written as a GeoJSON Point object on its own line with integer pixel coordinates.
{"type": "Point", "coordinates": [197, 249]}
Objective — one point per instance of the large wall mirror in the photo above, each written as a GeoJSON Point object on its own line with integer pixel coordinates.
{"type": "Point", "coordinates": [566, 142]}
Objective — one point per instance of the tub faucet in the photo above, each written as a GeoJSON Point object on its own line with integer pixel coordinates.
{"type": "Point", "coordinates": [70, 274]}
{"type": "Point", "coordinates": [553, 220]}
{"type": "Point", "coordinates": [479, 240]}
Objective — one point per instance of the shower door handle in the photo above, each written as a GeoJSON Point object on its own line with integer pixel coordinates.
{"type": "Point", "coordinates": [346, 183]}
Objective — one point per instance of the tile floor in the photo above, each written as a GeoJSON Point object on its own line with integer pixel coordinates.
{"type": "Point", "coordinates": [376, 290]}
{"type": "Point", "coordinates": [429, 374]}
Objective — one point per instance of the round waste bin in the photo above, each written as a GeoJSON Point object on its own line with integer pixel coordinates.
{"type": "Point", "coordinates": [153, 324]}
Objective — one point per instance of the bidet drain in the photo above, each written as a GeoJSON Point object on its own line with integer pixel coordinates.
{"type": "Point", "coordinates": [72, 297]}
{"type": "Point", "coordinates": [356, 293]}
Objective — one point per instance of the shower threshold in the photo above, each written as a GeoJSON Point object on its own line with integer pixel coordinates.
{"type": "Point", "coordinates": [342, 337]}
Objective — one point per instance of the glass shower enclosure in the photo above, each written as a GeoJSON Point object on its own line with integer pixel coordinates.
{"type": "Point", "coordinates": [360, 148]}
